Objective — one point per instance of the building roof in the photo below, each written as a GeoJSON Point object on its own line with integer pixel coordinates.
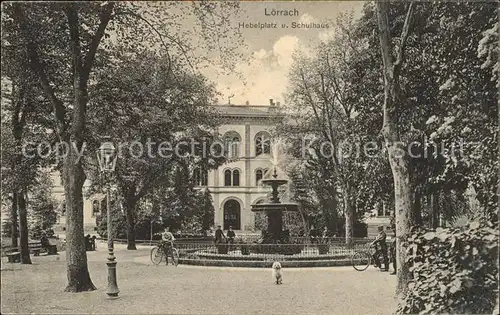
{"type": "Point", "coordinates": [248, 111]}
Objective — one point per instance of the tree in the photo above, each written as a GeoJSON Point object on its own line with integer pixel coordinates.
{"type": "Point", "coordinates": [396, 149]}
{"type": "Point", "coordinates": [158, 109]}
{"type": "Point", "coordinates": [325, 96]}
{"type": "Point", "coordinates": [42, 207]}
{"type": "Point", "coordinates": [23, 122]}
{"type": "Point", "coordinates": [65, 39]}
{"type": "Point", "coordinates": [208, 210]}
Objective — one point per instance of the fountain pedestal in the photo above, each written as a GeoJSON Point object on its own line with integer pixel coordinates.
{"type": "Point", "coordinates": [274, 211]}
{"type": "Point", "coordinates": [274, 222]}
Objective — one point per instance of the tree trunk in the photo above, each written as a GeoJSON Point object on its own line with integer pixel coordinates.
{"type": "Point", "coordinates": [129, 206]}
{"type": "Point", "coordinates": [76, 255]}
{"type": "Point", "coordinates": [417, 207]}
{"type": "Point", "coordinates": [350, 216]}
{"type": "Point", "coordinates": [435, 210]}
{"type": "Point", "coordinates": [13, 218]}
{"type": "Point", "coordinates": [333, 224]}
{"type": "Point", "coordinates": [396, 149]}
{"type": "Point", "coordinates": [330, 212]}
{"type": "Point", "coordinates": [402, 193]}
{"type": "Point", "coordinates": [73, 176]}
{"type": "Point", "coordinates": [23, 228]}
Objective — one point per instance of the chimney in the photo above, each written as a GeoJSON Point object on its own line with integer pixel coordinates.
{"type": "Point", "coordinates": [271, 102]}
{"type": "Point", "coordinates": [247, 103]}
{"type": "Point", "coordinates": [278, 104]}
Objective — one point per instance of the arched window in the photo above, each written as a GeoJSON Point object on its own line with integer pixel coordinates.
{"type": "Point", "coordinates": [232, 215]}
{"type": "Point", "coordinates": [236, 178]}
{"type": "Point", "coordinates": [196, 177]}
{"type": "Point", "coordinates": [227, 177]}
{"type": "Point", "coordinates": [104, 205]}
{"type": "Point", "coordinates": [200, 177]}
{"type": "Point", "coordinates": [204, 178]}
{"type": "Point", "coordinates": [262, 143]}
{"type": "Point", "coordinates": [258, 177]}
{"type": "Point", "coordinates": [235, 148]}
{"type": "Point", "coordinates": [95, 207]}
{"type": "Point", "coordinates": [232, 142]}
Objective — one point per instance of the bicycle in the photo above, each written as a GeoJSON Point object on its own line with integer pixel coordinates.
{"type": "Point", "coordinates": [362, 259]}
{"type": "Point", "coordinates": [162, 251]}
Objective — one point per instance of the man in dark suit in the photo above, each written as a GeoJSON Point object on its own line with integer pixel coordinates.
{"type": "Point", "coordinates": [230, 235]}
{"type": "Point", "coordinates": [219, 234]}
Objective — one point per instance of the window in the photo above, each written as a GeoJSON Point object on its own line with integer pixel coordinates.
{"type": "Point", "coordinates": [236, 178]}
{"type": "Point", "coordinates": [95, 207]}
{"type": "Point", "coordinates": [204, 178]}
{"type": "Point", "coordinates": [232, 215]}
{"type": "Point", "coordinates": [227, 177]}
{"type": "Point", "coordinates": [231, 178]}
{"type": "Point", "coordinates": [232, 142]}
{"type": "Point", "coordinates": [104, 205]}
{"type": "Point", "coordinates": [235, 148]}
{"type": "Point", "coordinates": [262, 143]}
{"type": "Point", "coordinates": [382, 209]}
{"type": "Point", "coordinates": [200, 177]}
{"type": "Point", "coordinates": [258, 177]}
{"type": "Point", "coordinates": [196, 177]}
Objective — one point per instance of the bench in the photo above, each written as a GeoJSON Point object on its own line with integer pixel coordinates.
{"type": "Point", "coordinates": [36, 247]}
{"type": "Point", "coordinates": [14, 257]}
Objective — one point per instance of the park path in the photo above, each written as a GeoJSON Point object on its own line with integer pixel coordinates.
{"type": "Point", "coordinates": [148, 289]}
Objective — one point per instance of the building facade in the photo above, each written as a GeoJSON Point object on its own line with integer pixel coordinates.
{"type": "Point", "coordinates": [234, 186]}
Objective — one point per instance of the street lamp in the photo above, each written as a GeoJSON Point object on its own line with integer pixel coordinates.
{"type": "Point", "coordinates": [106, 157]}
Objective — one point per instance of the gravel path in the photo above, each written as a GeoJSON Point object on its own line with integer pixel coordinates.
{"type": "Point", "coordinates": [148, 289]}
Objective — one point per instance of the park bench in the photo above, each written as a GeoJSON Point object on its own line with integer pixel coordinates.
{"type": "Point", "coordinates": [36, 247]}
{"type": "Point", "coordinates": [12, 253]}
{"type": "Point", "coordinates": [14, 256]}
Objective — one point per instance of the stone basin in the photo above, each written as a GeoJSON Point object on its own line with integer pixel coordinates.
{"type": "Point", "coordinates": [274, 206]}
{"type": "Point", "coordinates": [277, 182]}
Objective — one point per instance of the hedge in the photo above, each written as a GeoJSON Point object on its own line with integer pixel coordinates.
{"type": "Point", "coordinates": [454, 270]}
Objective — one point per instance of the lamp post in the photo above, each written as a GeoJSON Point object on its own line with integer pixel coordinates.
{"type": "Point", "coordinates": [107, 162]}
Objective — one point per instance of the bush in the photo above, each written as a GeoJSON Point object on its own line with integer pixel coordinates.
{"type": "Point", "coordinates": [453, 270]}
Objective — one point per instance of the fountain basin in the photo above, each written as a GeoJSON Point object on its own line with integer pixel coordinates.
{"type": "Point", "coordinates": [274, 181]}
{"type": "Point", "coordinates": [274, 206]}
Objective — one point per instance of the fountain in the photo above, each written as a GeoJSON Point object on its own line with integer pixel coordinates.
{"type": "Point", "coordinates": [274, 211]}
{"type": "Point", "coordinates": [274, 208]}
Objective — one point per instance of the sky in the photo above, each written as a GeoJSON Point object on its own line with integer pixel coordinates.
{"type": "Point", "coordinates": [269, 51]}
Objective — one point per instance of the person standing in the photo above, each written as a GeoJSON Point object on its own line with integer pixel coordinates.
{"type": "Point", "coordinates": [230, 235]}
{"type": "Point", "coordinates": [168, 239]}
{"type": "Point", "coordinates": [325, 232]}
{"type": "Point", "coordinates": [219, 234]}
{"type": "Point", "coordinates": [381, 240]}
{"type": "Point", "coordinates": [88, 246]}
{"type": "Point", "coordinates": [92, 242]}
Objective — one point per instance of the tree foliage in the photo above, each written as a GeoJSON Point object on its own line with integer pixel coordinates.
{"type": "Point", "coordinates": [453, 271]}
